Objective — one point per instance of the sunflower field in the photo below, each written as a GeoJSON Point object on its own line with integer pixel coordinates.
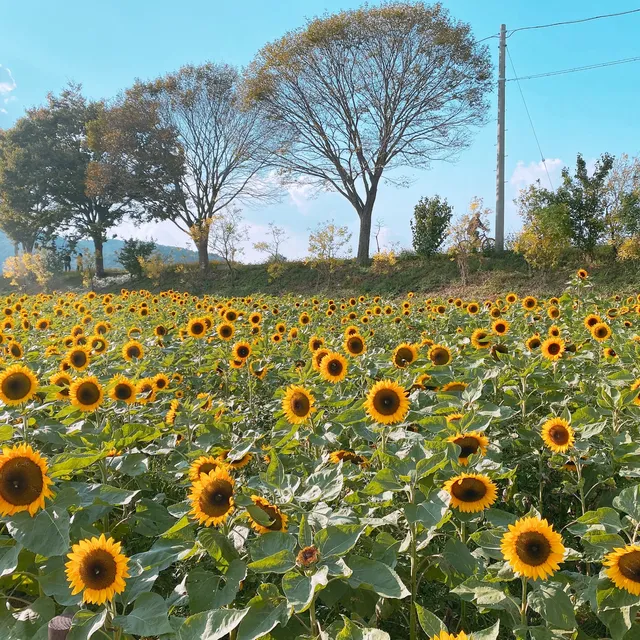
{"type": "Point", "coordinates": [191, 468]}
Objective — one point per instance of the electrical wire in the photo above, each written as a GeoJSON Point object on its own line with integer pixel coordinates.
{"type": "Point", "coordinates": [557, 24]}
{"type": "Point", "coordinates": [599, 65]}
{"type": "Point", "coordinates": [535, 135]}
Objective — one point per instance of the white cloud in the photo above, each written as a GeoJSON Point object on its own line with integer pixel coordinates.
{"type": "Point", "coordinates": [7, 81]}
{"type": "Point", "coordinates": [526, 174]}
{"type": "Point", "coordinates": [300, 194]}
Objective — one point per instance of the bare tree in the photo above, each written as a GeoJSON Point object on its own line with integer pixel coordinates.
{"type": "Point", "coordinates": [379, 228]}
{"type": "Point", "coordinates": [227, 233]}
{"type": "Point", "coordinates": [369, 90]}
{"type": "Point", "coordinates": [198, 148]}
{"type": "Point", "coordinates": [277, 237]}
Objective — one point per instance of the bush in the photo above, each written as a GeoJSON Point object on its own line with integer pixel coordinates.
{"type": "Point", "coordinates": [432, 218]}
{"type": "Point", "coordinates": [132, 252]}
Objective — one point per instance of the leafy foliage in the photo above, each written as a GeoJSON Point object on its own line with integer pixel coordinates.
{"type": "Point", "coordinates": [432, 219]}
{"type": "Point", "coordinates": [133, 253]}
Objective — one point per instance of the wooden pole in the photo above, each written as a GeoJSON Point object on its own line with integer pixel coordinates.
{"type": "Point", "coordinates": [59, 627]}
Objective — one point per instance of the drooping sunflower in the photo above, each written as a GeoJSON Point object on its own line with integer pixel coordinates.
{"type": "Point", "coordinates": [318, 356]}
{"type": "Point", "coordinates": [132, 350]}
{"type": "Point", "coordinates": [78, 358]}
{"type": "Point", "coordinates": [122, 389]}
{"type": "Point", "coordinates": [601, 331]}
{"type": "Point", "coordinates": [532, 548]}
{"type": "Point", "coordinates": [18, 384]}
{"type": "Point", "coordinates": [297, 404]}
{"type": "Point", "coordinates": [211, 497]}
{"type": "Point", "coordinates": [471, 492]}
{"type": "Point", "coordinates": [241, 350]}
{"type": "Point", "coordinates": [558, 435]}
{"type": "Point", "coordinates": [24, 484]}
{"type": "Point", "coordinates": [440, 355]}
{"type": "Point", "coordinates": [146, 391]}
{"type": "Point", "coordinates": [346, 456]}
{"type": "Point", "coordinates": [623, 568]}
{"type": "Point", "coordinates": [533, 343]}
{"type": "Point", "coordinates": [454, 385]}
{"type": "Point", "coordinates": [470, 443]}
{"type": "Point", "coordinates": [333, 367]}
{"type": "Point", "coordinates": [98, 568]}
{"type": "Point", "coordinates": [355, 345]}
{"type": "Point", "coordinates": [277, 519]}
{"type": "Point", "coordinates": [553, 348]}
{"type": "Point", "coordinates": [387, 402]}
{"type": "Point", "coordinates": [204, 464]}
{"type": "Point", "coordinates": [86, 393]}
{"type": "Point", "coordinates": [63, 381]}
{"type": "Point", "coordinates": [404, 354]}
{"type": "Point", "coordinates": [258, 372]}
{"type": "Point", "coordinates": [480, 339]}
{"type": "Point", "coordinates": [236, 463]}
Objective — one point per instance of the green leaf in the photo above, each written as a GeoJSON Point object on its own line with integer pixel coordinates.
{"type": "Point", "coordinates": [490, 633]}
{"type": "Point", "coordinates": [266, 610]}
{"type": "Point", "coordinates": [9, 553]}
{"type": "Point", "coordinates": [65, 464]}
{"type": "Point", "coordinates": [351, 631]}
{"type": "Point", "coordinates": [47, 533]}
{"type": "Point", "coordinates": [379, 577]}
{"type": "Point", "coordinates": [553, 604]}
{"type": "Point", "coordinates": [305, 536]}
{"type": "Point", "coordinates": [384, 480]}
{"type": "Point", "coordinates": [86, 623]}
{"type": "Point", "coordinates": [325, 484]}
{"type": "Point", "coordinates": [431, 512]}
{"type": "Point", "coordinates": [211, 625]}
{"type": "Point", "coordinates": [6, 432]}
{"type": "Point", "coordinates": [300, 589]}
{"type": "Point", "coordinates": [219, 547]}
{"type": "Point", "coordinates": [337, 540]}
{"type": "Point", "coordinates": [430, 623]}
{"type": "Point", "coordinates": [629, 501]}
{"type": "Point", "coordinates": [275, 470]}
{"type": "Point", "coordinates": [149, 616]}
{"type": "Point", "coordinates": [459, 557]}
{"type": "Point", "coordinates": [270, 543]}
{"type": "Point", "coordinates": [605, 519]}
{"type": "Point", "coordinates": [205, 590]}
{"type": "Point", "coordinates": [279, 562]}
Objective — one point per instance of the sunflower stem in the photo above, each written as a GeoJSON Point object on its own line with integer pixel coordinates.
{"type": "Point", "coordinates": [25, 429]}
{"type": "Point", "coordinates": [463, 603]}
{"type": "Point", "coordinates": [523, 606]}
{"type": "Point", "coordinates": [312, 619]}
{"type": "Point", "coordinates": [413, 618]}
{"type": "Point", "coordinates": [540, 481]}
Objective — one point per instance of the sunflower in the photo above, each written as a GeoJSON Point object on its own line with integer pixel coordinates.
{"type": "Point", "coordinates": [470, 443]}
{"type": "Point", "coordinates": [532, 548]}
{"type": "Point", "coordinates": [98, 568]}
{"type": "Point", "coordinates": [258, 373]}
{"type": "Point", "coordinates": [500, 327]}
{"type": "Point", "coordinates": [226, 331]}
{"type": "Point", "coordinates": [211, 497]}
{"type": "Point", "coordinates": [553, 348]}
{"type": "Point", "coordinates": [471, 492]}
{"type": "Point", "coordinates": [355, 345]}
{"type": "Point", "coordinates": [63, 381]}
{"type": "Point", "coordinates": [558, 435]}
{"type": "Point", "coordinates": [440, 355]}
{"type": "Point", "coordinates": [454, 385]}
{"type": "Point", "coordinates": [146, 391]}
{"type": "Point", "coordinates": [623, 568]}
{"type": "Point", "coordinates": [333, 367]}
{"type": "Point", "coordinates": [443, 635]}
{"type": "Point", "coordinates": [308, 556]}
{"type": "Point", "coordinates": [533, 343]}
{"type": "Point", "coordinates": [480, 339]}
{"type": "Point", "coordinates": [196, 328]}
{"type": "Point", "coordinates": [204, 464]}
{"type": "Point", "coordinates": [529, 303]}
{"type": "Point", "coordinates": [122, 389]}
{"type": "Point", "coordinates": [297, 404]}
{"type": "Point", "coordinates": [601, 331]}
{"type": "Point", "coordinates": [404, 355]}
{"type": "Point", "coordinates": [24, 483]}
{"type": "Point", "coordinates": [610, 353]}
{"type": "Point", "coordinates": [78, 358]}
{"type": "Point", "coordinates": [346, 456]}
{"type": "Point", "coordinates": [237, 463]}
{"type": "Point", "coordinates": [98, 344]}
{"type": "Point", "coordinates": [387, 402]}
{"type": "Point", "coordinates": [277, 519]}
{"type": "Point", "coordinates": [17, 384]}
{"type": "Point", "coordinates": [160, 381]}
{"type": "Point", "coordinates": [582, 274]}
{"type": "Point", "coordinates": [132, 350]}
{"type": "Point", "coordinates": [15, 349]}
{"type": "Point", "coordinates": [86, 393]}
{"type": "Point", "coordinates": [318, 356]}
{"type": "Point", "coordinates": [241, 350]}
{"type": "Point", "coordinates": [315, 343]}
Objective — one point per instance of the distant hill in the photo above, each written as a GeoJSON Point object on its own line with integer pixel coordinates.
{"type": "Point", "coordinates": [111, 247]}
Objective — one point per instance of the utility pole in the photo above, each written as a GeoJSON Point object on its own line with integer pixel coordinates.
{"type": "Point", "coordinates": [500, 147]}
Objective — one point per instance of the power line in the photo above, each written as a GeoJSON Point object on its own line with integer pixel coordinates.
{"type": "Point", "coordinates": [558, 24]}
{"type": "Point", "coordinates": [535, 135]}
{"type": "Point", "coordinates": [599, 65]}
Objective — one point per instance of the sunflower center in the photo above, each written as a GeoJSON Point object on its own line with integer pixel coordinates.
{"type": "Point", "coordinates": [300, 404]}
{"type": "Point", "coordinates": [355, 345]}
{"type": "Point", "coordinates": [197, 328]}
{"type": "Point", "coordinates": [243, 351]}
{"type": "Point", "coordinates": [205, 467]}
{"type": "Point", "coordinates": [88, 393]}
{"type": "Point", "coordinates": [134, 352]}
{"type": "Point", "coordinates": [79, 358]}
{"type": "Point", "coordinates": [533, 548]}
{"type": "Point", "coordinates": [225, 332]}
{"type": "Point", "coordinates": [274, 516]}
{"type": "Point", "coordinates": [386, 402]}
{"type": "Point", "coordinates": [216, 498]}
{"type": "Point", "coordinates": [16, 386]}
{"type": "Point", "coordinates": [161, 383]}
{"type": "Point", "coordinates": [601, 332]}
{"type": "Point", "coordinates": [98, 569]}
{"type": "Point", "coordinates": [629, 565]}
{"type": "Point", "coordinates": [21, 481]}
{"type": "Point", "coordinates": [468, 446]}
{"type": "Point", "coordinates": [554, 348]}
{"type": "Point", "coordinates": [335, 367]}
{"type": "Point", "coordinates": [439, 357]}
{"type": "Point", "coordinates": [404, 356]}
{"type": "Point", "coordinates": [469, 490]}
{"type": "Point", "coordinates": [559, 434]}
{"type": "Point", "coordinates": [123, 391]}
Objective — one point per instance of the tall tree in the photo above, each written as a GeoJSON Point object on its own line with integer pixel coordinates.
{"type": "Point", "coordinates": [194, 146]}
{"type": "Point", "coordinates": [365, 91]}
{"type": "Point", "coordinates": [622, 200]}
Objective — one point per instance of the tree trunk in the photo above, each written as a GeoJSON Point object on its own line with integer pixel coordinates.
{"type": "Point", "coordinates": [365, 235]}
{"type": "Point", "coordinates": [203, 252]}
{"type": "Point", "coordinates": [98, 244]}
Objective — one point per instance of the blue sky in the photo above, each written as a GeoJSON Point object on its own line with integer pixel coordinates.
{"type": "Point", "coordinates": [106, 45]}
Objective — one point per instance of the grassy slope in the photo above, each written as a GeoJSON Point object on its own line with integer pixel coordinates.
{"type": "Point", "coordinates": [436, 277]}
